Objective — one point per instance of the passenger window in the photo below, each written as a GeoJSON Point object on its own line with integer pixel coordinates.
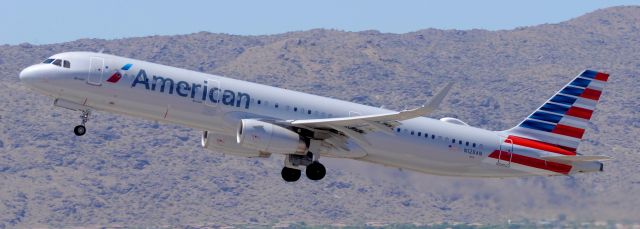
{"type": "Point", "coordinates": [460, 142]}
{"type": "Point", "coordinates": [474, 145]}
{"type": "Point", "coordinates": [308, 111]}
{"type": "Point", "coordinates": [426, 135]}
{"type": "Point", "coordinates": [453, 140]}
{"type": "Point", "coordinates": [433, 136]}
{"type": "Point", "coordinates": [295, 109]}
{"type": "Point", "coordinates": [57, 62]}
{"type": "Point", "coordinates": [67, 64]}
{"type": "Point", "coordinates": [47, 61]}
{"type": "Point", "coordinates": [412, 132]}
{"type": "Point", "coordinates": [467, 144]}
{"type": "Point", "coordinates": [419, 134]}
{"type": "Point", "coordinates": [398, 130]}
{"type": "Point", "coordinates": [276, 105]}
{"type": "Point", "coordinates": [259, 102]}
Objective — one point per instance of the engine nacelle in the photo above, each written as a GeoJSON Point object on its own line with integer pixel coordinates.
{"type": "Point", "coordinates": [270, 138]}
{"type": "Point", "coordinates": [227, 144]}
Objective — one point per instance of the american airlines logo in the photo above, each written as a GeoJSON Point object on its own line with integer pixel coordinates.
{"type": "Point", "coordinates": [196, 91]}
{"type": "Point", "coordinates": [117, 75]}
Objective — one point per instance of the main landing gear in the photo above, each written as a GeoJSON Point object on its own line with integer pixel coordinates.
{"type": "Point", "coordinates": [314, 169]}
{"type": "Point", "coordinates": [290, 175]}
{"type": "Point", "coordinates": [80, 130]}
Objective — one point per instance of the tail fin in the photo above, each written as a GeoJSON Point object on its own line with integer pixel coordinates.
{"type": "Point", "coordinates": [562, 120]}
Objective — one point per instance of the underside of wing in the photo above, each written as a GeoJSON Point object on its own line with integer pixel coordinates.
{"type": "Point", "coordinates": [579, 158]}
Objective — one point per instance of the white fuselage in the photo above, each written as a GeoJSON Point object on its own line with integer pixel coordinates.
{"type": "Point", "coordinates": [420, 144]}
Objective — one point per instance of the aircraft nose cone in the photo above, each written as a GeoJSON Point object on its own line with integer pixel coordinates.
{"type": "Point", "coordinates": [33, 74]}
{"type": "Point", "coordinates": [27, 74]}
{"type": "Point", "coordinates": [33, 77]}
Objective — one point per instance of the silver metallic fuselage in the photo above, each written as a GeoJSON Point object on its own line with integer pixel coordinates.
{"type": "Point", "coordinates": [403, 149]}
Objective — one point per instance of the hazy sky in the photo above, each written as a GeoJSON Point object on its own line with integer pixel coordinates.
{"type": "Point", "coordinates": [42, 22]}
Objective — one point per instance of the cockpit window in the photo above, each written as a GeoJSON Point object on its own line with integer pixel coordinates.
{"type": "Point", "coordinates": [58, 62]}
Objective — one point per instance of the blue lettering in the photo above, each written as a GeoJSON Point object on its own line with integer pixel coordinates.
{"type": "Point", "coordinates": [182, 85]}
{"type": "Point", "coordinates": [141, 78]}
{"type": "Point", "coordinates": [194, 89]}
{"type": "Point", "coordinates": [186, 89]}
{"type": "Point", "coordinates": [213, 94]}
{"type": "Point", "coordinates": [204, 91]}
{"type": "Point", "coordinates": [228, 98]}
{"type": "Point", "coordinates": [163, 81]}
{"type": "Point", "coordinates": [247, 100]}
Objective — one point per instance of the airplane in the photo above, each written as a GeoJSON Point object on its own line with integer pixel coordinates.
{"type": "Point", "coordinates": [252, 120]}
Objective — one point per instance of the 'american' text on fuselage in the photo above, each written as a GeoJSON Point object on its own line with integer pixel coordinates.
{"type": "Point", "coordinates": [192, 90]}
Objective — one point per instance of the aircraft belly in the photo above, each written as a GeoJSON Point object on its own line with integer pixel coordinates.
{"type": "Point", "coordinates": [434, 159]}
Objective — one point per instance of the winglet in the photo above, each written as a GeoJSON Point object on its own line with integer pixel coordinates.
{"type": "Point", "coordinates": [434, 103]}
{"type": "Point", "coordinates": [436, 100]}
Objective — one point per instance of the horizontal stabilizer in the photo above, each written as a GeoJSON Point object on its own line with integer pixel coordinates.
{"type": "Point", "coordinates": [579, 158]}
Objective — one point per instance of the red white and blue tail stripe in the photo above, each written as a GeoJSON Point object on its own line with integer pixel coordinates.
{"type": "Point", "coordinates": [562, 120]}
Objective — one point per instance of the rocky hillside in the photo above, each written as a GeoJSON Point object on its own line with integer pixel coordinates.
{"type": "Point", "coordinates": [129, 171]}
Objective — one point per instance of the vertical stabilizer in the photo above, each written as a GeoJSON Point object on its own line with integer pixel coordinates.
{"type": "Point", "coordinates": [562, 120]}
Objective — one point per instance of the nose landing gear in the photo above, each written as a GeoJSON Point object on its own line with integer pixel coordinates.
{"type": "Point", "coordinates": [80, 130]}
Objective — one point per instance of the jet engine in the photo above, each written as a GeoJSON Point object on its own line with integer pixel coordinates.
{"type": "Point", "coordinates": [270, 138]}
{"type": "Point", "coordinates": [227, 144]}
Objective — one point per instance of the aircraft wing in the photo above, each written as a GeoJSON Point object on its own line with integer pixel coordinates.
{"type": "Point", "coordinates": [378, 118]}
{"type": "Point", "coordinates": [356, 127]}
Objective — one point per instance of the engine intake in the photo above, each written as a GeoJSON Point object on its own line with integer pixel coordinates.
{"type": "Point", "coordinates": [270, 138]}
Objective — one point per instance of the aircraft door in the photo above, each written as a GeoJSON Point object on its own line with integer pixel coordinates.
{"type": "Point", "coordinates": [506, 152]}
{"type": "Point", "coordinates": [96, 69]}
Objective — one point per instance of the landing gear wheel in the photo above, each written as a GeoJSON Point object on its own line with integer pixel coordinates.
{"type": "Point", "coordinates": [79, 130]}
{"type": "Point", "coordinates": [315, 171]}
{"type": "Point", "coordinates": [290, 175]}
